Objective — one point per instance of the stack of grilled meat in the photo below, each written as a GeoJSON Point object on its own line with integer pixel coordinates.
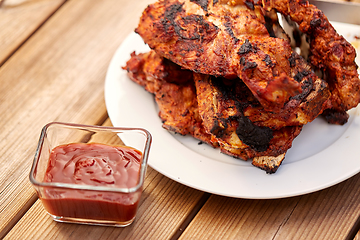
{"type": "Point", "coordinates": [224, 72]}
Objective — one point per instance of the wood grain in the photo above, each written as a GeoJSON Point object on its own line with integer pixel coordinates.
{"type": "Point", "coordinates": [230, 218]}
{"type": "Point", "coordinates": [354, 1]}
{"type": "Point", "coordinates": [160, 212]}
{"type": "Point", "coordinates": [20, 19]}
{"type": "Point", "coordinates": [327, 214]}
{"type": "Point", "coordinates": [357, 237]}
{"type": "Point", "coordinates": [165, 204]}
{"type": "Point", "coordinates": [57, 75]}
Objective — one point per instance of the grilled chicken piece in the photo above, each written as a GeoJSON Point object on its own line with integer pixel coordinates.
{"type": "Point", "coordinates": [329, 52]}
{"type": "Point", "coordinates": [269, 164]}
{"type": "Point", "coordinates": [223, 104]}
{"type": "Point", "coordinates": [177, 102]}
{"type": "Point", "coordinates": [220, 39]}
{"type": "Point", "coordinates": [226, 98]}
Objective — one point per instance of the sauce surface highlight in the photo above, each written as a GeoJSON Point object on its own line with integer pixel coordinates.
{"type": "Point", "coordinates": [97, 165]}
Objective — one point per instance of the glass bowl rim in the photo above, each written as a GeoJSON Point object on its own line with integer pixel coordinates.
{"type": "Point", "coordinates": [143, 165]}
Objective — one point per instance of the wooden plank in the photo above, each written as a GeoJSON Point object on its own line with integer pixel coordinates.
{"type": "Point", "coordinates": [57, 75]}
{"type": "Point", "coordinates": [232, 218]}
{"type": "Point", "coordinates": [357, 237]}
{"type": "Point", "coordinates": [19, 19]}
{"type": "Point", "coordinates": [165, 204]}
{"type": "Point", "coordinates": [327, 214]}
{"type": "Point", "coordinates": [354, 1]}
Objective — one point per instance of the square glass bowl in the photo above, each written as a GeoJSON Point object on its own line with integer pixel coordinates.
{"type": "Point", "coordinates": [95, 175]}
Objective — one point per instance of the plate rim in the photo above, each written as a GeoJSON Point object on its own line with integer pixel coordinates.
{"type": "Point", "coordinates": [115, 68]}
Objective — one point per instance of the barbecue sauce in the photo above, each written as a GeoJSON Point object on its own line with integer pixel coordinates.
{"type": "Point", "coordinates": [97, 165]}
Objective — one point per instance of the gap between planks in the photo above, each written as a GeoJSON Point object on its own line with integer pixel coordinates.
{"type": "Point", "coordinates": [27, 38]}
{"type": "Point", "coordinates": [107, 122]}
{"type": "Point", "coordinates": [103, 120]}
{"type": "Point", "coordinates": [191, 216]}
{"type": "Point", "coordinates": [355, 231]}
{"type": "Point", "coordinates": [34, 197]}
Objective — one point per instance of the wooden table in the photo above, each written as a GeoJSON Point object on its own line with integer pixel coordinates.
{"type": "Point", "coordinates": [54, 56]}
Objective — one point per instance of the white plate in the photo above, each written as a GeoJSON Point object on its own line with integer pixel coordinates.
{"type": "Point", "coordinates": [321, 156]}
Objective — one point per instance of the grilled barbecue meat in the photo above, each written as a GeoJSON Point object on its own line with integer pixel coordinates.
{"type": "Point", "coordinates": [329, 52]}
{"type": "Point", "coordinates": [259, 58]}
{"type": "Point", "coordinates": [217, 39]}
{"type": "Point", "coordinates": [223, 104]}
{"type": "Point", "coordinates": [228, 97]}
{"type": "Point", "coordinates": [177, 102]}
{"type": "Point", "coordinates": [224, 72]}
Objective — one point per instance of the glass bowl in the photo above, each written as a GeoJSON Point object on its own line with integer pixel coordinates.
{"type": "Point", "coordinates": [90, 174]}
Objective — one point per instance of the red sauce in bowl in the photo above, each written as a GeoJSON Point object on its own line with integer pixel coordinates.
{"type": "Point", "coordinates": [96, 165]}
